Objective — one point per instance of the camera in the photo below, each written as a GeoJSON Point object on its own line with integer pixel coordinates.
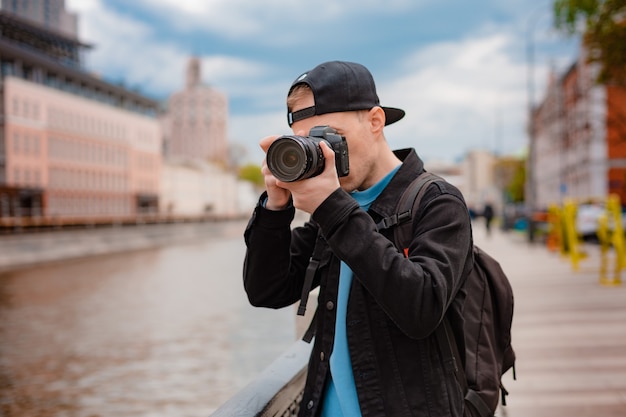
{"type": "Point", "coordinates": [294, 158]}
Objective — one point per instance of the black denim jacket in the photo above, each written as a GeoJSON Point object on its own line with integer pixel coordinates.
{"type": "Point", "coordinates": [395, 302]}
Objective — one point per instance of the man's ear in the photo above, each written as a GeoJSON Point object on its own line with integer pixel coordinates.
{"type": "Point", "coordinates": [376, 117]}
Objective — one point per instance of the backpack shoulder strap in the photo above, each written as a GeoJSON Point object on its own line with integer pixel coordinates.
{"type": "Point", "coordinates": [311, 269]}
{"type": "Point", "coordinates": [309, 334]}
{"type": "Point", "coordinates": [309, 276]}
{"type": "Point", "coordinates": [402, 219]}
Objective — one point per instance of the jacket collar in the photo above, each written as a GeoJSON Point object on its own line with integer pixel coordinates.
{"type": "Point", "coordinates": [411, 167]}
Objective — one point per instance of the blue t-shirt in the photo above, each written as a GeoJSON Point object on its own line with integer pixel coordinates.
{"type": "Point", "coordinates": [340, 399]}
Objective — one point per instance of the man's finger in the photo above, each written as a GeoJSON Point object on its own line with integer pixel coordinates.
{"type": "Point", "coordinates": [267, 141]}
{"type": "Point", "coordinates": [329, 155]}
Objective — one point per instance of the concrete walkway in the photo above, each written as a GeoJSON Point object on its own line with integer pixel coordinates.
{"type": "Point", "coordinates": [569, 332]}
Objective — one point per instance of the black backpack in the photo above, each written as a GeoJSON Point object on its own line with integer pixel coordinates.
{"type": "Point", "coordinates": [488, 313]}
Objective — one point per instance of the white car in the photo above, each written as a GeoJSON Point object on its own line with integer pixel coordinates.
{"type": "Point", "coordinates": [587, 216]}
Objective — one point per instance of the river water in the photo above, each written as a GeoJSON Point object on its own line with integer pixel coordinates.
{"type": "Point", "coordinates": [163, 332]}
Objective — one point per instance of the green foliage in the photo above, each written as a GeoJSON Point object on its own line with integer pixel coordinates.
{"type": "Point", "coordinates": [515, 189]}
{"type": "Point", "coordinates": [567, 13]}
{"type": "Point", "coordinates": [510, 174]}
{"type": "Point", "coordinates": [604, 33]}
{"type": "Point", "coordinates": [252, 173]}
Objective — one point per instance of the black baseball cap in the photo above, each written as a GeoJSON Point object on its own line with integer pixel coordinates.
{"type": "Point", "coordinates": [340, 86]}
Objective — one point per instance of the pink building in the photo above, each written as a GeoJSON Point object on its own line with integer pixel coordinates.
{"type": "Point", "coordinates": [195, 122]}
{"type": "Point", "coordinates": [73, 148]}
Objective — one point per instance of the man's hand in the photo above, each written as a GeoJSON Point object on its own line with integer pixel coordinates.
{"type": "Point", "coordinates": [277, 197]}
{"type": "Point", "coordinates": [308, 194]}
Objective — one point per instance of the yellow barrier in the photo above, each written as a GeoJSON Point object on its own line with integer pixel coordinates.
{"type": "Point", "coordinates": [571, 238]}
{"type": "Point", "coordinates": [614, 218]}
{"type": "Point", "coordinates": [564, 236]}
{"type": "Point", "coordinates": [604, 236]}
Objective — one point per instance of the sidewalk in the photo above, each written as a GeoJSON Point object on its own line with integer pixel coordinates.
{"type": "Point", "coordinates": [569, 332]}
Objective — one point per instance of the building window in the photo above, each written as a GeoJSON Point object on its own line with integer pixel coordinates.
{"type": "Point", "coordinates": [7, 68]}
{"type": "Point", "coordinates": [16, 143]}
{"type": "Point", "coordinates": [36, 145]}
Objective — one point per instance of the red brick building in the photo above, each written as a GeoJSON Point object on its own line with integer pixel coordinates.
{"type": "Point", "coordinates": [580, 138]}
{"type": "Point", "coordinates": [616, 139]}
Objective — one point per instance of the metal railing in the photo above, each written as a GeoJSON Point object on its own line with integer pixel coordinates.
{"type": "Point", "coordinates": [277, 391]}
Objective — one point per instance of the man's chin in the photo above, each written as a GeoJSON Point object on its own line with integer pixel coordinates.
{"type": "Point", "coordinates": [347, 184]}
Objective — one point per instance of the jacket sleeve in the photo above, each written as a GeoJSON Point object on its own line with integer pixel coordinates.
{"type": "Point", "coordinates": [276, 257]}
{"type": "Point", "coordinates": [414, 292]}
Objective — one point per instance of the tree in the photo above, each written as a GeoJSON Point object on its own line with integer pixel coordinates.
{"type": "Point", "coordinates": [252, 173]}
{"type": "Point", "coordinates": [604, 33]}
{"type": "Point", "coordinates": [510, 174]}
{"type": "Point", "coordinates": [515, 189]}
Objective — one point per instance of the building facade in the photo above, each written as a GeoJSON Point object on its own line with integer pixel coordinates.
{"type": "Point", "coordinates": [50, 14]}
{"type": "Point", "coordinates": [580, 139]}
{"type": "Point", "coordinates": [73, 148]}
{"type": "Point", "coordinates": [480, 182]}
{"type": "Point", "coordinates": [194, 124]}
{"type": "Point", "coordinates": [197, 179]}
{"type": "Point", "coordinates": [198, 188]}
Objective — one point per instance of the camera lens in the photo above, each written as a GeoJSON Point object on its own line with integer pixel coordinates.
{"type": "Point", "coordinates": [292, 158]}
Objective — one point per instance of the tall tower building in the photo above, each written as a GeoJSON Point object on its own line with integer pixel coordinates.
{"type": "Point", "coordinates": [195, 122]}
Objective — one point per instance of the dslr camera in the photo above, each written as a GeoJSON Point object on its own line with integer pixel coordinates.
{"type": "Point", "coordinates": [294, 158]}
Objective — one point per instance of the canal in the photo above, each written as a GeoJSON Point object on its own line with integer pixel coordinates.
{"type": "Point", "coordinates": [157, 332]}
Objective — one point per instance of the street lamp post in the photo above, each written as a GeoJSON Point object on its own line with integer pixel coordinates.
{"type": "Point", "coordinates": [530, 162]}
{"type": "Point", "coordinates": [531, 183]}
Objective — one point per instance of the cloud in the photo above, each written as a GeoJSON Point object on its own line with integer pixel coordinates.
{"type": "Point", "coordinates": [133, 54]}
{"type": "Point", "coordinates": [240, 77]}
{"type": "Point", "coordinates": [249, 129]}
{"type": "Point", "coordinates": [244, 18]}
{"type": "Point", "coordinates": [458, 94]}
{"type": "Point", "coordinates": [125, 49]}
{"type": "Point", "coordinates": [462, 95]}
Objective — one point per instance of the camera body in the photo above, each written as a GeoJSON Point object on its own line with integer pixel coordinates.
{"type": "Point", "coordinates": [294, 158]}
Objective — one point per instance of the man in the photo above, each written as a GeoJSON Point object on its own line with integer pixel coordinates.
{"type": "Point", "coordinates": [488, 215]}
{"type": "Point", "coordinates": [375, 351]}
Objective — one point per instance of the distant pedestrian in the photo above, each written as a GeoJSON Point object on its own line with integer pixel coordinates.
{"type": "Point", "coordinates": [488, 215]}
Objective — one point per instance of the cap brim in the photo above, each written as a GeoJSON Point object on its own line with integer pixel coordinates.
{"type": "Point", "coordinates": [392, 115]}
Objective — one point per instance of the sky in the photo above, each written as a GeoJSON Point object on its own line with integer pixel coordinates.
{"type": "Point", "coordinates": [464, 71]}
